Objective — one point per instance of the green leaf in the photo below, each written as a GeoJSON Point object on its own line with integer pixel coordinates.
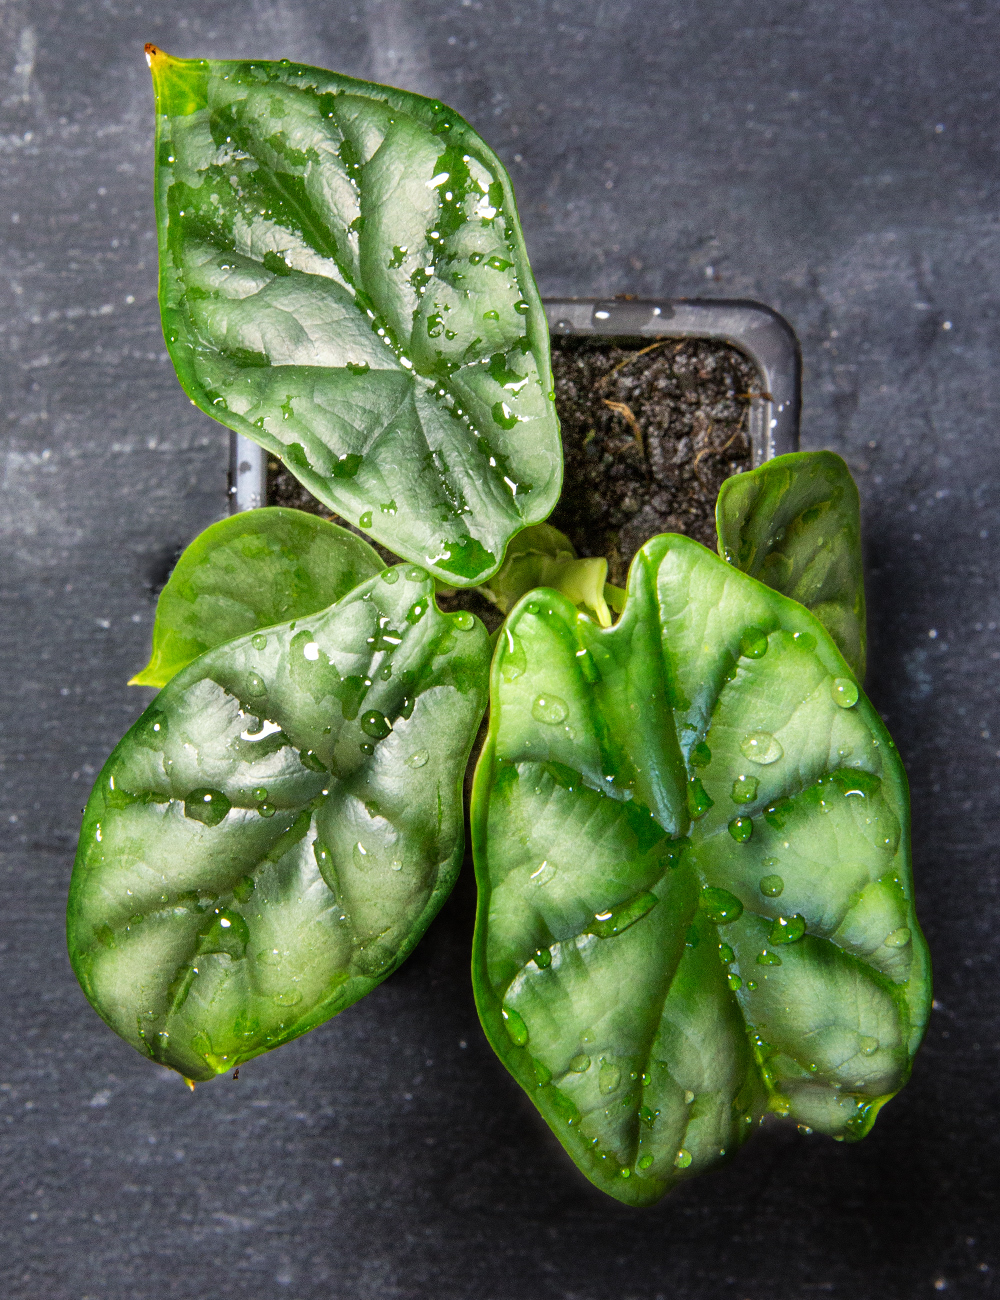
{"type": "Point", "coordinates": [275, 833]}
{"type": "Point", "coordinates": [692, 848]}
{"type": "Point", "coordinates": [795, 524]}
{"type": "Point", "coordinates": [246, 572]}
{"type": "Point", "coordinates": [343, 278]}
{"type": "Point", "coordinates": [542, 556]}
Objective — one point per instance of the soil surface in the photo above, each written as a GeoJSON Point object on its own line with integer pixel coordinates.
{"type": "Point", "coordinates": [650, 431]}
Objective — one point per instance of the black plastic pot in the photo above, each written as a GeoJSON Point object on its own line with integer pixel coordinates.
{"type": "Point", "coordinates": [764, 336]}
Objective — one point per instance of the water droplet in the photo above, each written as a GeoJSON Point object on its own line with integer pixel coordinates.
{"type": "Point", "coordinates": [845, 692]}
{"type": "Point", "coordinates": [375, 724]}
{"type": "Point", "coordinates": [416, 612]}
{"type": "Point", "coordinates": [366, 747]}
{"type": "Point", "coordinates": [644, 1162]}
{"type": "Point", "coordinates": [255, 684]}
{"type": "Point", "coordinates": [745, 789]}
{"type": "Point", "coordinates": [766, 958]}
{"type": "Point", "coordinates": [699, 800]}
{"type": "Point", "coordinates": [260, 794]}
{"type": "Point", "coordinates": [579, 1064]}
{"type": "Point", "coordinates": [491, 315]}
{"type": "Point", "coordinates": [515, 1026]}
{"type": "Point", "coordinates": [771, 886]}
{"type": "Point", "coordinates": [533, 607]}
{"type": "Point", "coordinates": [682, 1159]}
{"type": "Point", "coordinates": [267, 809]}
{"type": "Point", "coordinates": [688, 1097]}
{"type": "Point", "coordinates": [389, 576]}
{"type": "Point", "coordinates": [418, 759]}
{"type": "Point", "coordinates": [609, 1079]}
{"type": "Point", "coordinates": [868, 1045]}
{"type": "Point", "coordinates": [206, 806]}
{"type": "Point", "coordinates": [291, 998]}
{"type": "Point", "coordinates": [804, 640]}
{"type": "Point", "coordinates": [549, 709]}
{"type": "Point", "coordinates": [761, 747]}
{"type": "Point", "coordinates": [719, 905]}
{"type": "Point", "coordinates": [787, 929]}
{"type": "Point", "coordinates": [415, 574]}
{"type": "Point", "coordinates": [310, 759]}
{"type": "Point", "coordinates": [385, 672]}
{"type": "Point", "coordinates": [258, 641]}
{"type": "Point", "coordinates": [521, 307]}
{"type": "Point", "coordinates": [226, 932]}
{"type": "Point", "coordinates": [365, 520]}
{"type": "Point", "coordinates": [151, 730]}
{"type": "Point", "coordinates": [726, 954]}
{"type": "Point", "coordinates": [362, 858]}
{"type": "Point", "coordinates": [647, 1078]}
{"type": "Point", "coordinates": [463, 620]}
{"type": "Point", "coordinates": [751, 985]}
{"type": "Point", "coordinates": [701, 755]}
{"type": "Point", "coordinates": [734, 982]}
{"type": "Point", "coordinates": [741, 828]}
{"type": "Point", "coordinates": [616, 919]}
{"type": "Point", "coordinates": [898, 939]}
{"type": "Point", "coordinates": [753, 643]}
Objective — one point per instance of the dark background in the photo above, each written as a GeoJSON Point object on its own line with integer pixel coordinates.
{"type": "Point", "coordinates": [834, 158]}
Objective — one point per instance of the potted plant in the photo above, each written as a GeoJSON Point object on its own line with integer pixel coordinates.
{"type": "Point", "coordinates": [689, 825]}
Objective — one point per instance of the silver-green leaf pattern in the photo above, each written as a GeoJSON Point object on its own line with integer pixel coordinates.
{"type": "Point", "coordinates": [343, 278]}
{"type": "Point", "coordinates": [275, 833]}
{"type": "Point", "coordinates": [696, 905]}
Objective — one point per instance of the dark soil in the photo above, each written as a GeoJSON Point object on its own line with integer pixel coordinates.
{"type": "Point", "coordinates": [650, 431]}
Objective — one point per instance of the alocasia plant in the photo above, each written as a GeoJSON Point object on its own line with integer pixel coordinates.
{"type": "Point", "coordinates": [690, 827]}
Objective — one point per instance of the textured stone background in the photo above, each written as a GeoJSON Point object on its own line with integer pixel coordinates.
{"type": "Point", "coordinates": [834, 158]}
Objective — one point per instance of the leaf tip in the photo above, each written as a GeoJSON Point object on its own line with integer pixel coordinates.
{"type": "Point", "coordinates": [148, 676]}
{"type": "Point", "coordinates": [189, 1082]}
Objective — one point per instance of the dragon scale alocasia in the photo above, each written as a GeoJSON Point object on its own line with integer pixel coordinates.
{"type": "Point", "coordinates": [344, 280]}
{"type": "Point", "coordinates": [690, 834]}
{"type": "Point", "coordinates": [690, 829]}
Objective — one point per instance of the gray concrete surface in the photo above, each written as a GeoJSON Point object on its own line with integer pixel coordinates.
{"type": "Point", "coordinates": [834, 158]}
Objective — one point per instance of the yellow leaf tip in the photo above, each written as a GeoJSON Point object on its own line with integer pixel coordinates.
{"type": "Point", "coordinates": [189, 1082]}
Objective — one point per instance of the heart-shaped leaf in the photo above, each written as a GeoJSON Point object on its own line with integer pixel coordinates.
{"type": "Point", "coordinates": [691, 842]}
{"type": "Point", "coordinates": [246, 572]}
{"type": "Point", "coordinates": [795, 524]}
{"type": "Point", "coordinates": [343, 279]}
{"type": "Point", "coordinates": [275, 833]}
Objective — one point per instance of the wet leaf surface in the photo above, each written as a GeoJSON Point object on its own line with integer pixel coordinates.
{"type": "Point", "coordinates": [247, 572]}
{"type": "Point", "coordinates": [344, 280]}
{"type": "Point", "coordinates": [691, 842]}
{"type": "Point", "coordinates": [795, 523]}
{"type": "Point", "coordinates": [275, 833]}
